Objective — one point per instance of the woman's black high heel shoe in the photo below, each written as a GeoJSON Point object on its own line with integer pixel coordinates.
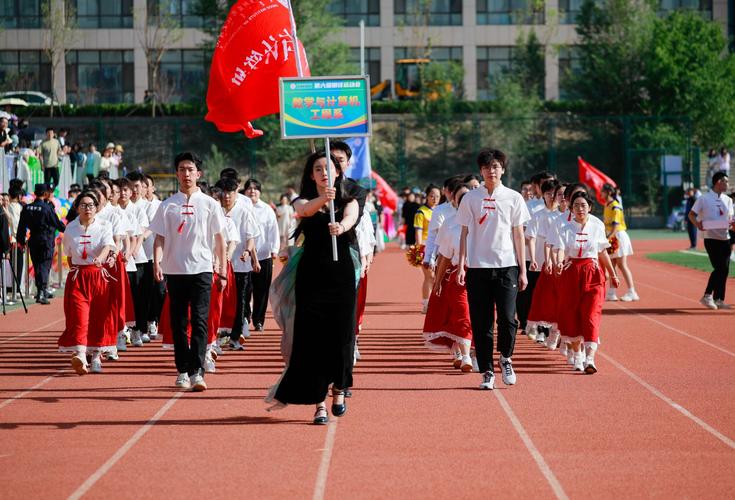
{"type": "Point", "coordinates": [338, 409]}
{"type": "Point", "coordinates": [321, 417]}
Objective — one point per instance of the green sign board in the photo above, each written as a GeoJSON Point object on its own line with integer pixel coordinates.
{"type": "Point", "coordinates": [333, 106]}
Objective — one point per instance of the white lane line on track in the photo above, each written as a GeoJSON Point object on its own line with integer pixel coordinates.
{"type": "Point", "coordinates": [321, 477]}
{"type": "Point", "coordinates": [27, 391]}
{"type": "Point", "coordinates": [680, 332]}
{"type": "Point", "coordinates": [704, 425]}
{"type": "Point", "coordinates": [32, 331]}
{"type": "Point", "coordinates": [99, 473]}
{"type": "Point", "coordinates": [542, 465]}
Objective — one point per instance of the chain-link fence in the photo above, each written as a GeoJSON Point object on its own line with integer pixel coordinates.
{"type": "Point", "coordinates": [412, 151]}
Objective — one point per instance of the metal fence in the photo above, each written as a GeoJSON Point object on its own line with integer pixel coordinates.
{"type": "Point", "coordinates": [412, 151]}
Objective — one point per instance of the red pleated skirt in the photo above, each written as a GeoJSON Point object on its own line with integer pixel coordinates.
{"type": "Point", "coordinates": [582, 294]}
{"type": "Point", "coordinates": [86, 309]}
{"type": "Point", "coordinates": [448, 316]}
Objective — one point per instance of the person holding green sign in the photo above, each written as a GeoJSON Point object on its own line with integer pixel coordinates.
{"type": "Point", "coordinates": [325, 293]}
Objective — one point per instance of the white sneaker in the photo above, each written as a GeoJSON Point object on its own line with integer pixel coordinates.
{"type": "Point", "coordinates": [96, 365]}
{"type": "Point", "coordinates": [457, 359]}
{"type": "Point", "coordinates": [127, 332]}
{"type": "Point", "coordinates": [721, 304]}
{"type": "Point", "coordinates": [488, 381]}
{"type": "Point", "coordinates": [475, 366]}
{"type": "Point", "coordinates": [357, 353]}
{"type": "Point", "coordinates": [531, 332]}
{"type": "Point", "coordinates": [245, 330]}
{"type": "Point", "coordinates": [152, 330]}
{"type": "Point", "coordinates": [707, 301]}
{"type": "Point", "coordinates": [579, 359]}
{"type": "Point", "coordinates": [466, 364]}
{"type": "Point", "coordinates": [216, 349]}
{"type": "Point", "coordinates": [145, 338]}
{"type": "Point", "coordinates": [563, 348]}
{"type": "Point", "coordinates": [79, 364]}
{"type": "Point", "coordinates": [553, 339]}
{"type": "Point", "coordinates": [135, 338]}
{"type": "Point", "coordinates": [630, 296]}
{"type": "Point", "coordinates": [541, 337]}
{"type": "Point", "coordinates": [182, 381]}
{"type": "Point", "coordinates": [235, 345]}
{"type": "Point", "coordinates": [610, 296]}
{"type": "Point", "coordinates": [209, 363]}
{"type": "Point", "coordinates": [570, 356]}
{"type": "Point", "coordinates": [506, 369]}
{"type": "Point", "coordinates": [122, 342]}
{"type": "Point", "coordinates": [112, 356]}
{"type": "Point", "coordinates": [197, 383]}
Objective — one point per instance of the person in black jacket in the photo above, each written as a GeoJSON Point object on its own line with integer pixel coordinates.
{"type": "Point", "coordinates": [43, 223]}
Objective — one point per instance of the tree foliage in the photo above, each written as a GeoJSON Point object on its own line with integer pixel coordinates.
{"type": "Point", "coordinates": [633, 62]}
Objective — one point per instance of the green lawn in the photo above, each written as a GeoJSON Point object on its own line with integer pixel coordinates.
{"type": "Point", "coordinates": [693, 260]}
{"type": "Point", "coordinates": [656, 234]}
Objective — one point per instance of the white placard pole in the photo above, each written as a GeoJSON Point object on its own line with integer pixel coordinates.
{"type": "Point", "coordinates": [331, 202]}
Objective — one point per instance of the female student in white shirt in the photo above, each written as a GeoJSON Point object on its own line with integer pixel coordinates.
{"type": "Point", "coordinates": [581, 255]}
{"type": "Point", "coordinates": [87, 244]}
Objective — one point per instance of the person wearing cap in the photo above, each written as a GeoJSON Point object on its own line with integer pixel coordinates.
{"type": "Point", "coordinates": [43, 223]}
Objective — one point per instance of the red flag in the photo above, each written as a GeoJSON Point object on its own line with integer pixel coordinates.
{"type": "Point", "coordinates": [254, 49]}
{"type": "Point", "coordinates": [386, 195]}
{"type": "Point", "coordinates": [593, 178]}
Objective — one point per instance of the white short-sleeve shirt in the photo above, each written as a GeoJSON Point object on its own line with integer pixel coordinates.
{"type": "Point", "coordinates": [447, 238]}
{"type": "Point", "coordinates": [84, 244]}
{"type": "Point", "coordinates": [150, 209]}
{"type": "Point", "coordinates": [188, 227]}
{"type": "Point", "coordinates": [438, 217]}
{"type": "Point", "coordinates": [713, 208]}
{"type": "Point", "coordinates": [540, 227]}
{"type": "Point", "coordinates": [583, 241]}
{"type": "Point", "coordinates": [269, 240]}
{"type": "Point", "coordinates": [232, 235]}
{"type": "Point", "coordinates": [365, 235]}
{"type": "Point", "coordinates": [490, 219]}
{"type": "Point", "coordinates": [110, 214]}
{"type": "Point", "coordinates": [244, 221]}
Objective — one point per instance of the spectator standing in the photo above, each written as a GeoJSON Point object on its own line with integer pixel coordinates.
{"type": "Point", "coordinates": [723, 161]}
{"type": "Point", "coordinates": [286, 222]}
{"type": "Point", "coordinates": [690, 198]}
{"type": "Point", "coordinates": [408, 213]}
{"type": "Point", "coordinates": [50, 153]}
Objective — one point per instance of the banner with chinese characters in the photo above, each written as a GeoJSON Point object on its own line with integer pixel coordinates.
{"type": "Point", "coordinates": [336, 106]}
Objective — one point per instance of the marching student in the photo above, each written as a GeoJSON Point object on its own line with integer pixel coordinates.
{"type": "Point", "coordinates": [155, 290]}
{"type": "Point", "coordinates": [616, 230]}
{"type": "Point", "coordinates": [87, 243]}
{"type": "Point", "coordinates": [438, 215]}
{"type": "Point", "coordinates": [421, 222]}
{"type": "Point", "coordinates": [542, 315]}
{"type": "Point", "coordinates": [712, 213]}
{"type": "Point", "coordinates": [583, 259]}
{"type": "Point", "coordinates": [189, 232]}
{"type": "Point", "coordinates": [245, 259]}
{"type": "Point", "coordinates": [447, 324]}
{"type": "Point", "coordinates": [267, 244]}
{"type": "Point", "coordinates": [495, 273]}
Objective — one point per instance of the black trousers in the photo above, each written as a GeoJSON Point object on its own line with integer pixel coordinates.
{"type": "Point", "coordinates": [189, 292]}
{"type": "Point", "coordinates": [719, 256]}
{"type": "Point", "coordinates": [692, 232]}
{"type": "Point", "coordinates": [488, 290]}
{"type": "Point", "coordinates": [259, 288]}
{"type": "Point", "coordinates": [42, 257]}
{"type": "Point", "coordinates": [51, 176]}
{"type": "Point", "coordinates": [242, 312]}
{"type": "Point", "coordinates": [155, 293]}
{"type": "Point", "coordinates": [523, 300]}
{"type": "Point", "coordinates": [137, 289]}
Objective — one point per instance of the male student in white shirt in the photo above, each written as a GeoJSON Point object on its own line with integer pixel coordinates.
{"type": "Point", "coordinates": [712, 213]}
{"type": "Point", "coordinates": [492, 248]}
{"type": "Point", "coordinates": [187, 225]}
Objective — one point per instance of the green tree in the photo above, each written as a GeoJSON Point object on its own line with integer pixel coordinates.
{"type": "Point", "coordinates": [691, 73]}
{"type": "Point", "coordinates": [529, 64]}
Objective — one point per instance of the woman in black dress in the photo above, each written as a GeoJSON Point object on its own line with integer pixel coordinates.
{"type": "Point", "coordinates": [324, 323]}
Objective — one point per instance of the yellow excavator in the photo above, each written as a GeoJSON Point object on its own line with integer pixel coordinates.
{"type": "Point", "coordinates": [408, 82]}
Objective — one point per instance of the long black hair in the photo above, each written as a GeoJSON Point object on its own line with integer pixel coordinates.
{"type": "Point", "coordinates": [308, 185]}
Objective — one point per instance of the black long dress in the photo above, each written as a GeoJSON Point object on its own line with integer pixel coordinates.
{"type": "Point", "coordinates": [324, 323]}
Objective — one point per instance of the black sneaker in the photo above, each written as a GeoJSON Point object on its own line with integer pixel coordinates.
{"type": "Point", "coordinates": [258, 327]}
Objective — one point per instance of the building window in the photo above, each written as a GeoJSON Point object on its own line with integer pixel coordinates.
{"type": "Point", "coordinates": [25, 70]}
{"type": "Point", "coordinates": [181, 11]}
{"type": "Point", "coordinates": [182, 76]}
{"type": "Point", "coordinates": [510, 12]}
{"type": "Point", "coordinates": [372, 63]}
{"type": "Point", "coordinates": [99, 76]}
{"type": "Point", "coordinates": [492, 63]}
{"type": "Point", "coordinates": [569, 10]}
{"type": "Point", "coordinates": [20, 14]}
{"type": "Point", "coordinates": [704, 7]}
{"type": "Point", "coordinates": [104, 13]}
{"type": "Point", "coordinates": [352, 11]}
{"type": "Point", "coordinates": [428, 12]}
{"type": "Point", "coordinates": [569, 65]}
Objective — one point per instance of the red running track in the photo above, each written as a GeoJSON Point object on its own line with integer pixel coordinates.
{"type": "Point", "coordinates": [656, 421]}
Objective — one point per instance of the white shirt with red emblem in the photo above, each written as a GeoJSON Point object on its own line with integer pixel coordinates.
{"type": "Point", "coordinates": [83, 244]}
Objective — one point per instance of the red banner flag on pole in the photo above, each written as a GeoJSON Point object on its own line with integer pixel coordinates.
{"type": "Point", "coordinates": [386, 195]}
{"type": "Point", "coordinates": [593, 178]}
{"type": "Point", "coordinates": [255, 48]}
